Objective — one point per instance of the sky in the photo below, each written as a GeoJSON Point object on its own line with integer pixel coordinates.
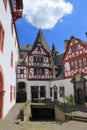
{"type": "Point", "coordinates": [58, 19]}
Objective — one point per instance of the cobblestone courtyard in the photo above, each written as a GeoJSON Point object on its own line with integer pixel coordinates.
{"type": "Point", "coordinates": [12, 123]}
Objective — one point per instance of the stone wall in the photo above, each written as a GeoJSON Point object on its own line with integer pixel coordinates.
{"type": "Point", "coordinates": [59, 115]}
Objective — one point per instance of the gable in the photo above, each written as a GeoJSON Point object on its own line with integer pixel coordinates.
{"type": "Point", "coordinates": [74, 49]}
{"type": "Point", "coordinates": [39, 50]}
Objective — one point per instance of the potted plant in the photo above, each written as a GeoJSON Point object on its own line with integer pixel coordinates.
{"type": "Point", "coordinates": [86, 100]}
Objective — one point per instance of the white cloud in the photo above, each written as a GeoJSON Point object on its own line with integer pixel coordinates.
{"type": "Point", "coordinates": [46, 13]}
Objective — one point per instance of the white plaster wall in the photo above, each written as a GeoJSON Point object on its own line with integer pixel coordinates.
{"type": "Point", "coordinates": [5, 57]}
{"type": "Point", "coordinates": [38, 83]}
{"type": "Point", "coordinates": [67, 85]}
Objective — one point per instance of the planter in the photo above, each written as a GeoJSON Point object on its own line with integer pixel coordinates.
{"type": "Point", "coordinates": [25, 112]}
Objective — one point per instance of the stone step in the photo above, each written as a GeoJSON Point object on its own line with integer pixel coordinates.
{"type": "Point", "coordinates": [79, 118]}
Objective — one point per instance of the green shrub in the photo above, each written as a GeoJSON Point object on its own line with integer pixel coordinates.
{"type": "Point", "coordinates": [23, 107]}
{"type": "Point", "coordinates": [70, 100]}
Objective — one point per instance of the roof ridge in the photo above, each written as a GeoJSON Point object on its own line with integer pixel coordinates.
{"type": "Point", "coordinates": [41, 39]}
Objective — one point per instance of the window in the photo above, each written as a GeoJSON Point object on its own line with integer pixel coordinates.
{"type": "Point", "coordinates": [14, 92]}
{"type": "Point", "coordinates": [42, 91]}
{"type": "Point", "coordinates": [61, 91]}
{"type": "Point", "coordinates": [21, 71]}
{"type": "Point", "coordinates": [50, 92]}
{"type": "Point", "coordinates": [38, 59]}
{"type": "Point", "coordinates": [11, 59]}
{"type": "Point", "coordinates": [80, 62]}
{"type": "Point", "coordinates": [1, 37]}
{"type": "Point", "coordinates": [74, 48]}
{"type": "Point", "coordinates": [39, 71]}
{"type": "Point", "coordinates": [84, 62]}
{"type": "Point", "coordinates": [72, 65]}
{"type": "Point", "coordinates": [5, 4]}
{"type": "Point", "coordinates": [76, 64]}
{"type": "Point", "coordinates": [11, 93]}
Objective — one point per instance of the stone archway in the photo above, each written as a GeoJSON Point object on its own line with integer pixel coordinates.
{"type": "Point", "coordinates": [1, 93]}
{"type": "Point", "coordinates": [79, 84]}
{"type": "Point", "coordinates": [21, 92]}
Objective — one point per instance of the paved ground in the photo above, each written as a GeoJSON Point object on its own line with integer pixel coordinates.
{"type": "Point", "coordinates": [12, 123]}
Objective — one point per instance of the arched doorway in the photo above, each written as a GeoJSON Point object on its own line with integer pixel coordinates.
{"type": "Point", "coordinates": [21, 92]}
{"type": "Point", "coordinates": [1, 93]}
{"type": "Point", "coordinates": [21, 96]}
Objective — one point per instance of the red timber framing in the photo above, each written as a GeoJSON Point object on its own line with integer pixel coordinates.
{"type": "Point", "coordinates": [39, 63]}
{"type": "Point", "coordinates": [22, 72]}
{"type": "Point", "coordinates": [75, 58]}
{"type": "Point", "coordinates": [16, 8]}
{"type": "Point", "coordinates": [2, 92]}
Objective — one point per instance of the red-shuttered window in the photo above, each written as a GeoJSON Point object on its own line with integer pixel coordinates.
{"type": "Point", "coordinates": [5, 4]}
{"type": "Point", "coordinates": [11, 93]}
{"type": "Point", "coordinates": [1, 37]}
{"type": "Point", "coordinates": [11, 59]}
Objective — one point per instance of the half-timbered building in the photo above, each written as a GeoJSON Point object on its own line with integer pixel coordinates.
{"type": "Point", "coordinates": [35, 70]}
{"type": "Point", "coordinates": [44, 73]}
{"type": "Point", "coordinates": [75, 67]}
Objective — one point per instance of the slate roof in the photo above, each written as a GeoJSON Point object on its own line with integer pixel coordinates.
{"type": "Point", "coordinates": [58, 62]}
{"type": "Point", "coordinates": [54, 48]}
{"type": "Point", "coordinates": [24, 48]}
{"type": "Point", "coordinates": [41, 39]}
